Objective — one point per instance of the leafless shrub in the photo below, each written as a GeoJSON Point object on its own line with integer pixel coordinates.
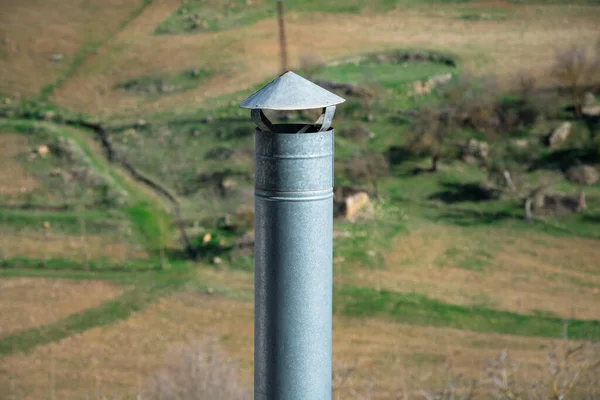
{"type": "Point", "coordinates": [501, 381]}
{"type": "Point", "coordinates": [526, 84]}
{"type": "Point", "coordinates": [431, 131]}
{"type": "Point", "coordinates": [572, 68]}
{"type": "Point", "coordinates": [366, 167]}
{"type": "Point", "coordinates": [200, 372]}
{"type": "Point", "coordinates": [310, 64]}
{"type": "Point", "coordinates": [471, 102]}
{"type": "Point", "coordinates": [571, 373]}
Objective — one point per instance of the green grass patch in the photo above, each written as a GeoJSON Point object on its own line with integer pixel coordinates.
{"type": "Point", "coordinates": [161, 85]}
{"type": "Point", "coordinates": [471, 259]}
{"type": "Point", "coordinates": [69, 222]}
{"type": "Point", "coordinates": [365, 242]}
{"type": "Point", "coordinates": [153, 225]}
{"type": "Point", "coordinates": [394, 75]}
{"type": "Point", "coordinates": [196, 16]}
{"type": "Point", "coordinates": [148, 287]}
{"type": "Point", "coordinates": [417, 309]}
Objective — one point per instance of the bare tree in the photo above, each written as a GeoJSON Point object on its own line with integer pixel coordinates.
{"type": "Point", "coordinates": [431, 131]}
{"type": "Point", "coordinates": [571, 68]}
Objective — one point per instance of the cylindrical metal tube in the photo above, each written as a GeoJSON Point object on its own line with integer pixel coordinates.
{"type": "Point", "coordinates": [293, 265]}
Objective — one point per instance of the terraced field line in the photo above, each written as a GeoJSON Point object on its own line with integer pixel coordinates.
{"type": "Point", "coordinates": [142, 198]}
{"type": "Point", "coordinates": [108, 312]}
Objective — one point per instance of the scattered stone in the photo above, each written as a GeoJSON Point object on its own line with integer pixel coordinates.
{"type": "Point", "coordinates": [46, 225]}
{"type": "Point", "coordinates": [228, 183]}
{"type": "Point", "coordinates": [589, 99]}
{"type": "Point", "coordinates": [557, 203]}
{"type": "Point", "coordinates": [129, 132]}
{"type": "Point", "coordinates": [67, 148]}
{"type": "Point", "coordinates": [341, 234]}
{"type": "Point", "coordinates": [246, 240]}
{"type": "Point", "coordinates": [217, 260]}
{"type": "Point", "coordinates": [43, 150]}
{"type": "Point", "coordinates": [86, 175]}
{"type": "Point", "coordinates": [421, 87]}
{"type": "Point", "coordinates": [7, 100]}
{"type": "Point", "coordinates": [199, 25]}
{"type": "Point", "coordinates": [426, 86]}
{"type": "Point", "coordinates": [164, 87]}
{"type": "Point", "coordinates": [583, 174]}
{"type": "Point", "coordinates": [355, 204]}
{"type": "Point", "coordinates": [520, 143]}
{"type": "Point", "coordinates": [49, 115]}
{"type": "Point", "coordinates": [440, 79]}
{"type": "Point", "coordinates": [591, 111]}
{"type": "Point", "coordinates": [57, 57]}
{"type": "Point", "coordinates": [560, 134]}
{"type": "Point", "coordinates": [208, 119]}
{"type": "Point", "coordinates": [140, 122]}
{"type": "Point", "coordinates": [210, 290]}
{"type": "Point", "coordinates": [206, 238]}
{"type": "Point", "coordinates": [371, 253]}
{"type": "Point", "coordinates": [475, 151]}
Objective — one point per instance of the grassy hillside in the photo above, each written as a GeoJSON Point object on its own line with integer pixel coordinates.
{"type": "Point", "coordinates": [126, 188]}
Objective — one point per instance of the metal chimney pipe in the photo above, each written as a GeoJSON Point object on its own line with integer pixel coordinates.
{"type": "Point", "coordinates": [293, 265]}
{"type": "Point", "coordinates": [293, 244]}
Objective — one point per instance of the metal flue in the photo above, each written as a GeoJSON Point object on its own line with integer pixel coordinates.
{"type": "Point", "coordinates": [293, 242]}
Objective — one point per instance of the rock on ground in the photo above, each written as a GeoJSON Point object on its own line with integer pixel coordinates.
{"type": "Point", "coordinates": [474, 151]}
{"type": "Point", "coordinates": [560, 134]}
{"type": "Point", "coordinates": [583, 174]}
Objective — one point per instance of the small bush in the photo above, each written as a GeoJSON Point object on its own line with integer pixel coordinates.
{"type": "Point", "coordinates": [574, 67]}
{"type": "Point", "coordinates": [200, 372]}
{"type": "Point", "coordinates": [356, 132]}
{"type": "Point", "coordinates": [365, 168]}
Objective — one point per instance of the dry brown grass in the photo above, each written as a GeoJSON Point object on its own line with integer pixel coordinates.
{"type": "Point", "coordinates": [535, 272]}
{"type": "Point", "coordinates": [14, 180]}
{"type": "Point", "coordinates": [35, 30]}
{"type": "Point", "coordinates": [28, 302]}
{"type": "Point", "coordinates": [43, 245]}
{"type": "Point", "coordinates": [115, 360]}
{"type": "Point", "coordinates": [524, 41]}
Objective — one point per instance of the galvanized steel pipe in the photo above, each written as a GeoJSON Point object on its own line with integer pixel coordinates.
{"type": "Point", "coordinates": [293, 264]}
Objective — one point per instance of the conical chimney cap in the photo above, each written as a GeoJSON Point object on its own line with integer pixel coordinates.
{"type": "Point", "coordinates": [290, 91]}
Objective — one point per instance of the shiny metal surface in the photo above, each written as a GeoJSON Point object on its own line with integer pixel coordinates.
{"type": "Point", "coordinates": [290, 91]}
{"type": "Point", "coordinates": [293, 264]}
